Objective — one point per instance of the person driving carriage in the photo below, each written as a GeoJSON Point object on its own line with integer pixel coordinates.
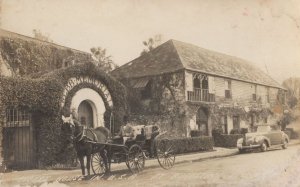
{"type": "Point", "coordinates": [126, 130]}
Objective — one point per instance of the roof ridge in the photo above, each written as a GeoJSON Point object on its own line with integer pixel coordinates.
{"type": "Point", "coordinates": [178, 56]}
{"type": "Point", "coordinates": [7, 32]}
{"type": "Point", "coordinates": [133, 61]}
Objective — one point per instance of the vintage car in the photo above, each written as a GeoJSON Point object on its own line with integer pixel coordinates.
{"type": "Point", "coordinates": [265, 137]}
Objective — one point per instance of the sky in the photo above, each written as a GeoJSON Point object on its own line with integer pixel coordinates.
{"type": "Point", "coordinates": [263, 32]}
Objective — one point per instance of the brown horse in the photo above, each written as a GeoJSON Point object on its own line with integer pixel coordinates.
{"type": "Point", "coordinates": [82, 138]}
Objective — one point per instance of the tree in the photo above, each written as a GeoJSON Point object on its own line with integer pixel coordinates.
{"type": "Point", "coordinates": [102, 60]}
{"type": "Point", "coordinates": [39, 35]}
{"type": "Point", "coordinates": [293, 91]}
{"type": "Point", "coordinates": [152, 43]}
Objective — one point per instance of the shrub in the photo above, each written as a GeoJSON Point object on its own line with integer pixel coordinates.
{"type": "Point", "coordinates": [185, 145]}
{"type": "Point", "coordinates": [291, 133]}
{"type": "Point", "coordinates": [239, 131]}
{"type": "Point", "coordinates": [195, 133]}
{"type": "Point", "coordinates": [226, 140]}
{"type": "Point", "coordinates": [217, 132]}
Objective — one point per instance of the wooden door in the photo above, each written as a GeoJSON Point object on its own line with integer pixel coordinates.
{"type": "Point", "coordinates": [85, 114]}
{"type": "Point", "coordinates": [18, 140]}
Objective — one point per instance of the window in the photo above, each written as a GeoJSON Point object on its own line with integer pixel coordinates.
{"type": "Point", "coordinates": [268, 95]}
{"type": "Point", "coordinates": [253, 119]}
{"type": "Point", "coordinates": [146, 93]}
{"type": "Point", "coordinates": [224, 124]}
{"type": "Point", "coordinates": [197, 83]}
{"type": "Point", "coordinates": [266, 119]}
{"type": "Point", "coordinates": [17, 117]}
{"type": "Point", "coordinates": [254, 91]}
{"type": "Point", "coordinates": [205, 83]}
{"type": "Point", "coordinates": [254, 97]}
{"type": "Point", "coordinates": [228, 89]}
{"type": "Point", "coordinates": [236, 122]}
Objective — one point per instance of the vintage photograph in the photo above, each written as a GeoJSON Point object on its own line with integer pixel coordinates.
{"type": "Point", "coordinates": [163, 93]}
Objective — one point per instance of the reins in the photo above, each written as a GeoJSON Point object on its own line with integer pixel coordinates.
{"type": "Point", "coordinates": [82, 134]}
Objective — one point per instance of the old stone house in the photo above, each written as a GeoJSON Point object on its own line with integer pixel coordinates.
{"type": "Point", "coordinates": [183, 87]}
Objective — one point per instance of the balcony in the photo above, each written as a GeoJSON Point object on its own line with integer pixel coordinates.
{"type": "Point", "coordinates": [199, 95]}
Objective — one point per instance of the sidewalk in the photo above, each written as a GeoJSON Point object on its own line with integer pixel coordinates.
{"type": "Point", "coordinates": [29, 177]}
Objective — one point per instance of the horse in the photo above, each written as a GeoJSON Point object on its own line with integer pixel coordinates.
{"type": "Point", "coordinates": [81, 137]}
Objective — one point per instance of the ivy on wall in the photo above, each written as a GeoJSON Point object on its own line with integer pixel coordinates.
{"type": "Point", "coordinates": [43, 95]}
{"type": "Point", "coordinates": [166, 107]}
{"type": "Point", "coordinates": [27, 56]}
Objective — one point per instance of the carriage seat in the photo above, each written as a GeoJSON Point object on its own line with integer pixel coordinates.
{"type": "Point", "coordinates": [138, 130]}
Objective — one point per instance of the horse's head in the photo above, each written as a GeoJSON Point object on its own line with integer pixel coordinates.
{"type": "Point", "coordinates": [68, 127]}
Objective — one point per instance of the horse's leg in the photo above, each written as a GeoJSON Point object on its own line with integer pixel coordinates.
{"type": "Point", "coordinates": [88, 163]}
{"type": "Point", "coordinates": [82, 164]}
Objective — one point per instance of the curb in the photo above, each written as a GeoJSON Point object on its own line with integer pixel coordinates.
{"type": "Point", "coordinates": [195, 159]}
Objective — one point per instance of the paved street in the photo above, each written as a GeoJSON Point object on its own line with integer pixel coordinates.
{"type": "Point", "coordinates": [272, 168]}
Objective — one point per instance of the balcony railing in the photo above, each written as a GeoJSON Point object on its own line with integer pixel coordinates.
{"type": "Point", "coordinates": [200, 95]}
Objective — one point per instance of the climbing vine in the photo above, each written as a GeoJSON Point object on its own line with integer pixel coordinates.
{"type": "Point", "coordinates": [42, 96]}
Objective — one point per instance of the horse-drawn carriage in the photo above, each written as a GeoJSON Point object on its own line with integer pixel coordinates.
{"type": "Point", "coordinates": [145, 144]}
{"type": "Point", "coordinates": [101, 150]}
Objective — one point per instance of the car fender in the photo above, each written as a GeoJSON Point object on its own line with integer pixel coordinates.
{"type": "Point", "coordinates": [285, 137]}
{"type": "Point", "coordinates": [260, 139]}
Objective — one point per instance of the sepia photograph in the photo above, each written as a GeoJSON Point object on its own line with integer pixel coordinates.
{"type": "Point", "coordinates": [158, 93]}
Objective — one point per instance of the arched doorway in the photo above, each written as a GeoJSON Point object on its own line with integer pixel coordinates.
{"type": "Point", "coordinates": [202, 120]}
{"type": "Point", "coordinates": [89, 106]}
{"type": "Point", "coordinates": [85, 114]}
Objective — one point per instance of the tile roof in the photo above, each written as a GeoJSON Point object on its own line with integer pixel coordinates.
{"type": "Point", "coordinates": [175, 55]}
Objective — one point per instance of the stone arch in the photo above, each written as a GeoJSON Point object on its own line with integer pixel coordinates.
{"type": "Point", "coordinates": [94, 99]}
{"type": "Point", "coordinates": [92, 91]}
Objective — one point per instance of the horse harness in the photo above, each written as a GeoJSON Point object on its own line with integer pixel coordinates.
{"type": "Point", "coordinates": [82, 136]}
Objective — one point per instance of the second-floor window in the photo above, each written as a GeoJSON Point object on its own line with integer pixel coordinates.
{"type": "Point", "coordinates": [268, 95]}
{"type": "Point", "coordinates": [146, 92]}
{"type": "Point", "coordinates": [228, 89]}
{"type": "Point", "coordinates": [254, 91]}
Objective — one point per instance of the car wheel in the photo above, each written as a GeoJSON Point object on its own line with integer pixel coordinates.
{"type": "Point", "coordinates": [285, 144]}
{"type": "Point", "coordinates": [241, 150]}
{"type": "Point", "coordinates": [263, 147]}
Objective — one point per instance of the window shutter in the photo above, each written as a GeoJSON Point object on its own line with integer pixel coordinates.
{"type": "Point", "coordinates": [189, 81]}
{"type": "Point", "coordinates": [211, 85]}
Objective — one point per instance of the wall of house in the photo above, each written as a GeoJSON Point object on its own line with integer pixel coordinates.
{"type": "Point", "coordinates": [165, 107]}
{"type": "Point", "coordinates": [241, 91]}
{"type": "Point", "coordinates": [240, 104]}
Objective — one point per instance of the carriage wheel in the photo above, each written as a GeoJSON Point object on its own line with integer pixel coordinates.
{"type": "Point", "coordinates": [97, 163]}
{"type": "Point", "coordinates": [165, 154]}
{"type": "Point", "coordinates": [135, 159]}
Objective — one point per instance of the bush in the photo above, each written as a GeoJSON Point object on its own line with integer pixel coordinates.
{"type": "Point", "coordinates": [291, 133]}
{"type": "Point", "coordinates": [216, 132]}
{"type": "Point", "coordinates": [239, 131]}
{"type": "Point", "coordinates": [185, 145]}
{"type": "Point", "coordinates": [226, 140]}
{"type": "Point", "coordinates": [195, 133]}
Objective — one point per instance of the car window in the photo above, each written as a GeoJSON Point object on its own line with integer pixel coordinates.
{"type": "Point", "coordinates": [275, 128]}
